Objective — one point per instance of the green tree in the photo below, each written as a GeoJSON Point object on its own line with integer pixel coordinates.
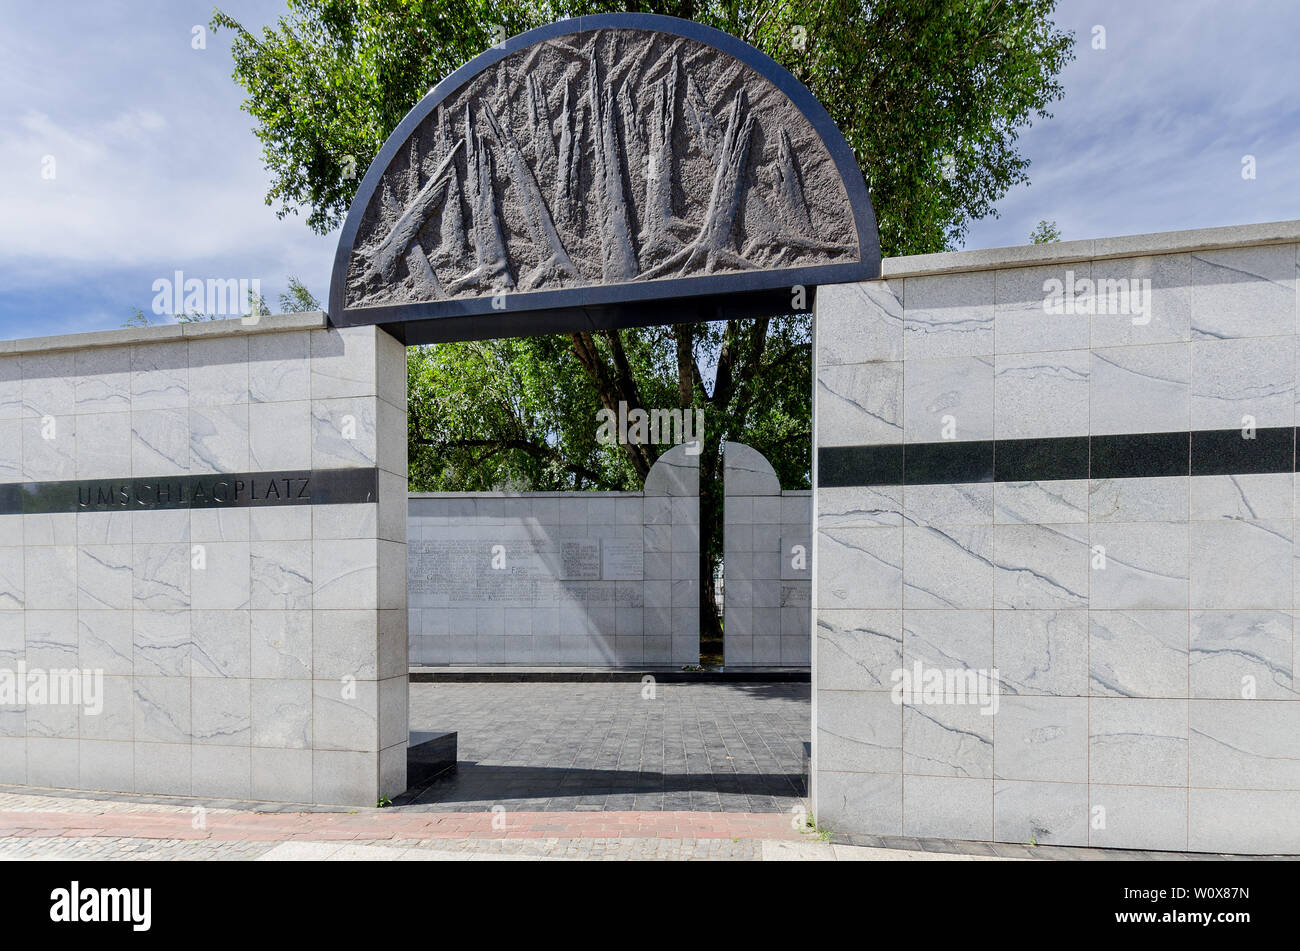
{"type": "Point", "coordinates": [256, 304]}
{"type": "Point", "coordinates": [931, 95]}
{"type": "Point", "coordinates": [1045, 232]}
{"type": "Point", "coordinates": [298, 299]}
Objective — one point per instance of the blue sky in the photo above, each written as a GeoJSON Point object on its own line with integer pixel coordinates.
{"type": "Point", "coordinates": [157, 169]}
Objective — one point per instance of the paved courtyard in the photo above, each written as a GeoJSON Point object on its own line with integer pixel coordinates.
{"type": "Point", "coordinates": [613, 746]}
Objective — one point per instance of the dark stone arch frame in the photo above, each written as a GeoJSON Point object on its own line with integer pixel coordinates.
{"type": "Point", "coordinates": [674, 300]}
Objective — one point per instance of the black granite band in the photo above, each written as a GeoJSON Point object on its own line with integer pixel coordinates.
{"type": "Point", "coordinates": [208, 490]}
{"type": "Point", "coordinates": [1125, 456]}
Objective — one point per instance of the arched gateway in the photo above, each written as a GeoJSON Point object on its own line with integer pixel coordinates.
{"type": "Point", "coordinates": [603, 171]}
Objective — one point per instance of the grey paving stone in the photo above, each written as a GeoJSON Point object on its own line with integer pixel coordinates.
{"type": "Point", "coordinates": [582, 746]}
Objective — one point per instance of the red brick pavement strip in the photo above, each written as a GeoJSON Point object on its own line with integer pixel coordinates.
{"type": "Point", "coordinates": [276, 827]}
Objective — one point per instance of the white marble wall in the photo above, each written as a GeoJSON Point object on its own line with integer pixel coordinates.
{"type": "Point", "coordinates": [511, 602]}
{"type": "Point", "coordinates": [247, 653]}
{"type": "Point", "coordinates": [1148, 699]}
{"type": "Point", "coordinates": [767, 561]}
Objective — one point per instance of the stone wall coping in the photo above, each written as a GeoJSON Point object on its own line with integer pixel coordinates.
{"type": "Point", "coordinates": [234, 326]}
{"type": "Point", "coordinates": [1092, 249]}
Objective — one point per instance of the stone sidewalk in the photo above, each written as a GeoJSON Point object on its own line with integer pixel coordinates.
{"type": "Point", "coordinates": [46, 820]}
{"type": "Point", "coordinates": [73, 826]}
{"type": "Point", "coordinates": [460, 850]}
{"type": "Point", "coordinates": [62, 826]}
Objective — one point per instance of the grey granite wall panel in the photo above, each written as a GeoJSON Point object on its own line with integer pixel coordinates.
{"type": "Point", "coordinates": [1111, 655]}
{"type": "Point", "coordinates": [243, 650]}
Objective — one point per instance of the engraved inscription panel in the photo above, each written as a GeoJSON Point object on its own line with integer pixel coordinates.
{"type": "Point", "coordinates": [622, 560]}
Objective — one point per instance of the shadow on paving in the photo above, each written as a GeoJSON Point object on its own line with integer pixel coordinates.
{"type": "Point", "coordinates": [778, 690]}
{"type": "Point", "coordinates": [534, 747]}
{"type": "Point", "coordinates": [475, 787]}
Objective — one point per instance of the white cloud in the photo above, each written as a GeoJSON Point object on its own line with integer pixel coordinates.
{"type": "Point", "coordinates": [123, 193]}
{"type": "Point", "coordinates": [156, 168]}
{"type": "Point", "coordinates": [1151, 131]}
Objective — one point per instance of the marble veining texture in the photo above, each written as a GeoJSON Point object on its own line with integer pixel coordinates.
{"type": "Point", "coordinates": [216, 631]}
{"type": "Point", "coordinates": [1141, 630]}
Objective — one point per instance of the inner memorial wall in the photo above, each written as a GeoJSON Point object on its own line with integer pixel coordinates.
{"type": "Point", "coordinates": [767, 559]}
{"type": "Point", "coordinates": [558, 579]}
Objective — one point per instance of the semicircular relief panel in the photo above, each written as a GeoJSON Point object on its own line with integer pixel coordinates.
{"type": "Point", "coordinates": [608, 156]}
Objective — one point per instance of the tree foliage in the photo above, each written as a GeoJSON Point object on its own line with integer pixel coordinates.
{"type": "Point", "coordinates": [297, 298]}
{"type": "Point", "coordinates": [930, 94]}
{"type": "Point", "coordinates": [1045, 232]}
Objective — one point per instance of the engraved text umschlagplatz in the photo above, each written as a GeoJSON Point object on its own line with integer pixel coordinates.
{"type": "Point", "coordinates": [216, 491]}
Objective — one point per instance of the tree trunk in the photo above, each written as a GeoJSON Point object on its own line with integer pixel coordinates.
{"type": "Point", "coordinates": [686, 369]}
{"type": "Point", "coordinates": [711, 502]}
{"type": "Point", "coordinates": [743, 343]}
{"type": "Point", "coordinates": [688, 374]}
{"type": "Point", "coordinates": [614, 386]}
{"type": "Point", "coordinates": [742, 348]}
